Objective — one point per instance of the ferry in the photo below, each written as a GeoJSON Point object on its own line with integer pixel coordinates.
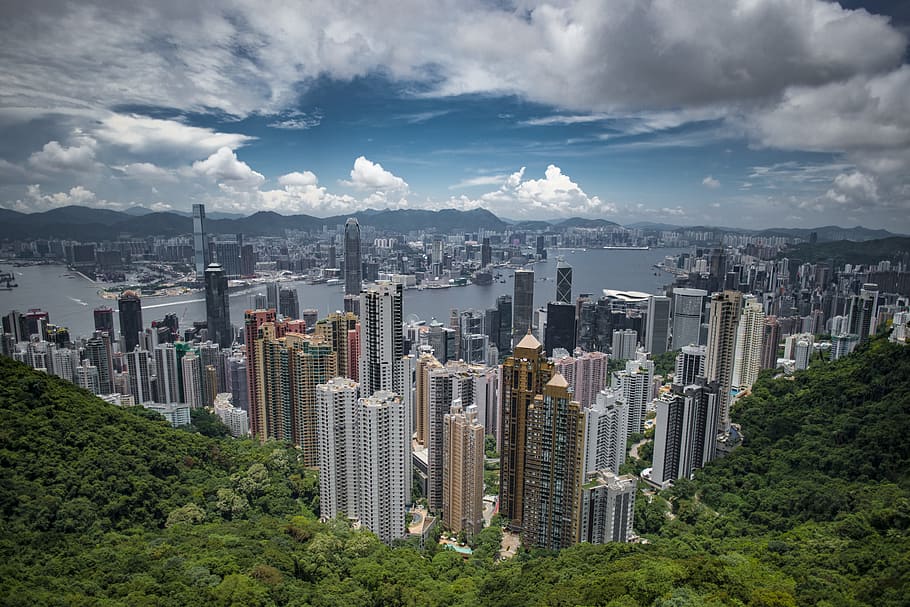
{"type": "Point", "coordinates": [627, 248]}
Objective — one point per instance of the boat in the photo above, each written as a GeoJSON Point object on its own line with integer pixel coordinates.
{"type": "Point", "coordinates": [612, 248]}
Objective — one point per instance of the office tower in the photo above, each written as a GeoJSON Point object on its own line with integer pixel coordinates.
{"type": "Point", "coordinates": [104, 320]}
{"type": "Point", "coordinates": [353, 272]}
{"type": "Point", "coordinates": [237, 381]}
{"type": "Point", "coordinates": [625, 343]}
{"type": "Point", "coordinates": [35, 322]}
{"type": "Point", "coordinates": [690, 363]}
{"type": "Point", "coordinates": [288, 305]}
{"type": "Point", "coordinates": [383, 452]}
{"type": "Point", "coordinates": [524, 375]}
{"type": "Point", "coordinates": [607, 507]}
{"type": "Point", "coordinates": [864, 312]}
{"type": "Point", "coordinates": [293, 365]}
{"type": "Point", "coordinates": [770, 342]}
{"type": "Point", "coordinates": [381, 337]}
{"type": "Point", "coordinates": [87, 378]}
{"type": "Point", "coordinates": [503, 335]}
{"type": "Point", "coordinates": [522, 303]}
{"type": "Point", "coordinates": [586, 374]}
{"type": "Point", "coordinates": [606, 432]}
{"type": "Point", "coordinates": [442, 340]}
{"type": "Point", "coordinates": [336, 329]}
{"type": "Point", "coordinates": [474, 342]}
{"type": "Point", "coordinates": [260, 302]}
{"type": "Point", "coordinates": [443, 385]}
{"type": "Point", "coordinates": [634, 382]}
{"type": "Point", "coordinates": [137, 361]}
{"type": "Point", "coordinates": [332, 260]}
{"type": "Point", "coordinates": [560, 331]}
{"type": "Point", "coordinates": [167, 374]}
{"type": "Point", "coordinates": [657, 333]}
{"type": "Point", "coordinates": [227, 254]}
{"type": "Point", "coordinates": [336, 403]}
{"type": "Point", "coordinates": [310, 316]}
{"type": "Point", "coordinates": [191, 366]}
{"type": "Point", "coordinates": [563, 282]}
{"type": "Point", "coordinates": [687, 313]}
{"type": "Point", "coordinates": [685, 432]}
{"type": "Point", "coordinates": [200, 240]}
{"type": "Point", "coordinates": [210, 355]}
{"type": "Point", "coordinates": [99, 352]}
{"type": "Point", "coordinates": [462, 493]}
{"type": "Point", "coordinates": [747, 357]}
{"type": "Point", "coordinates": [553, 468]}
{"type": "Point", "coordinates": [271, 296]}
{"type": "Point", "coordinates": [253, 321]}
{"type": "Point", "coordinates": [14, 324]}
{"type": "Point", "coordinates": [130, 307]}
{"type": "Point", "coordinates": [541, 247]}
{"type": "Point", "coordinates": [486, 253]}
{"type": "Point", "coordinates": [217, 308]}
{"type": "Point", "coordinates": [455, 326]}
{"type": "Point", "coordinates": [721, 349]}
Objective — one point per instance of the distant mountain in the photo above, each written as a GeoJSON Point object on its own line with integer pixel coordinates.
{"type": "Point", "coordinates": [582, 222]}
{"type": "Point", "coordinates": [829, 233]}
{"type": "Point", "coordinates": [840, 252]}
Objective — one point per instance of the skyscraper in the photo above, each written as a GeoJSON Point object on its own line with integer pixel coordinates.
{"type": "Point", "coordinates": [524, 375]}
{"type": "Point", "coordinates": [503, 328]}
{"type": "Point", "coordinates": [721, 349]}
{"type": "Point", "coordinates": [353, 271]}
{"type": "Point", "coordinates": [522, 303]}
{"type": "Point", "coordinates": [625, 342]}
{"type": "Point", "coordinates": [253, 322]}
{"type": "Point", "coordinates": [191, 365]}
{"type": "Point", "coordinates": [553, 468]}
{"type": "Point", "coordinates": [657, 333]}
{"type": "Point", "coordinates": [383, 452]}
{"type": "Point", "coordinates": [634, 382]}
{"type": "Point", "coordinates": [381, 337]}
{"type": "Point", "coordinates": [560, 331]}
{"type": "Point", "coordinates": [864, 312]}
{"type": "Point", "coordinates": [200, 240]}
{"type": "Point", "coordinates": [690, 363]}
{"type": "Point", "coordinates": [747, 359]}
{"type": "Point", "coordinates": [486, 253]}
{"type": "Point", "coordinates": [770, 342]}
{"type": "Point", "coordinates": [288, 305]}
{"type": "Point", "coordinates": [687, 311]}
{"type": "Point", "coordinates": [99, 351]}
{"type": "Point", "coordinates": [606, 432]}
{"type": "Point", "coordinates": [563, 282]}
{"type": "Point", "coordinates": [104, 320]}
{"type": "Point", "coordinates": [336, 402]}
{"type": "Point", "coordinates": [167, 374]}
{"type": "Point", "coordinates": [217, 307]}
{"type": "Point", "coordinates": [336, 328]}
{"type": "Point", "coordinates": [586, 374]}
{"type": "Point", "coordinates": [137, 361]}
{"type": "Point", "coordinates": [462, 493]}
{"type": "Point", "coordinates": [685, 431]}
{"type": "Point", "coordinates": [607, 507]}
{"type": "Point", "coordinates": [130, 308]}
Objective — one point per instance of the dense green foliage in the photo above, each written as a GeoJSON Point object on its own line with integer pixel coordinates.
{"type": "Point", "coordinates": [105, 506]}
{"type": "Point", "coordinates": [849, 251]}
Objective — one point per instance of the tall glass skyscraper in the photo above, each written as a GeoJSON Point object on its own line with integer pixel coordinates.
{"type": "Point", "coordinates": [522, 303]}
{"type": "Point", "coordinates": [563, 282]}
{"type": "Point", "coordinates": [353, 270]}
{"type": "Point", "coordinates": [217, 308]}
{"type": "Point", "coordinates": [130, 307]}
{"type": "Point", "coordinates": [200, 240]}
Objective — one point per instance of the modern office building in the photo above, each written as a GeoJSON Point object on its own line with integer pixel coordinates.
{"type": "Point", "coordinates": [564, 282]}
{"type": "Point", "coordinates": [688, 305]}
{"type": "Point", "coordinates": [864, 312]}
{"type": "Point", "coordinates": [560, 328]}
{"type": "Point", "coordinates": [99, 352]}
{"type": "Point", "coordinates": [607, 507]}
{"type": "Point", "coordinates": [200, 240]}
{"type": "Point", "coordinates": [104, 320]}
{"type": "Point", "coordinates": [463, 465]}
{"type": "Point", "coordinates": [288, 304]}
{"type": "Point", "coordinates": [217, 307]}
{"type": "Point", "coordinates": [353, 270]}
{"type": "Point", "coordinates": [657, 331]}
{"type": "Point", "coordinates": [720, 350]}
{"type": "Point", "coordinates": [522, 303]}
{"type": "Point", "coordinates": [130, 309]}
{"type": "Point", "coordinates": [625, 343]}
{"type": "Point", "coordinates": [524, 375]}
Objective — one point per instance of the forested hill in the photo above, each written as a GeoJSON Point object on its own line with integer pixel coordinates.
{"type": "Point", "coordinates": [106, 506]}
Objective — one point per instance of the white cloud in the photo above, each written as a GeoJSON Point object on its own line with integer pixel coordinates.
{"type": "Point", "coordinates": [481, 180]}
{"type": "Point", "coordinates": [368, 175]}
{"type": "Point", "coordinates": [556, 195]}
{"type": "Point", "coordinates": [146, 171]}
{"type": "Point", "coordinates": [856, 189]}
{"type": "Point", "coordinates": [36, 201]}
{"type": "Point", "coordinates": [141, 135]}
{"type": "Point", "coordinates": [299, 121]}
{"type": "Point", "coordinates": [224, 166]}
{"type": "Point", "coordinates": [710, 182]}
{"type": "Point", "coordinates": [306, 178]}
{"type": "Point", "coordinates": [80, 156]}
{"type": "Point", "coordinates": [561, 119]}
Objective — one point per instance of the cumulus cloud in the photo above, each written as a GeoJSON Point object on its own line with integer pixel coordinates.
{"type": "Point", "coordinates": [146, 171]}
{"type": "Point", "coordinates": [224, 166]}
{"type": "Point", "coordinates": [142, 134]}
{"type": "Point", "coordinates": [481, 180]}
{"type": "Point", "coordinates": [555, 195]}
{"type": "Point", "coordinates": [368, 175]}
{"type": "Point", "coordinates": [710, 182]}
{"type": "Point", "coordinates": [856, 188]}
{"type": "Point", "coordinates": [306, 178]}
{"type": "Point", "coordinates": [35, 200]}
{"type": "Point", "coordinates": [80, 156]}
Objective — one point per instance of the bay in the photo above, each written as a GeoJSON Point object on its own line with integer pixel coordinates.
{"type": "Point", "coordinates": [69, 299]}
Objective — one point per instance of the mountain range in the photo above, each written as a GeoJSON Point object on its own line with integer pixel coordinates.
{"type": "Point", "coordinates": [91, 224]}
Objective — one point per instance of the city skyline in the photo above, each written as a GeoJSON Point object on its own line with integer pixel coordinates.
{"type": "Point", "coordinates": [531, 111]}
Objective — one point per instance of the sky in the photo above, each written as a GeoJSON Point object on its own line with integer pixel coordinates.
{"type": "Point", "coordinates": [741, 113]}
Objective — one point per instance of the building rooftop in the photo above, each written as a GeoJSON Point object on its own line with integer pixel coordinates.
{"type": "Point", "coordinates": [528, 342]}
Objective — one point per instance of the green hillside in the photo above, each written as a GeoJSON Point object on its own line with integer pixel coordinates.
{"type": "Point", "coordinates": [106, 506]}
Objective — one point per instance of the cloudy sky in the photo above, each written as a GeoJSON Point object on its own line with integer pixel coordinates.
{"type": "Point", "coordinates": [752, 113]}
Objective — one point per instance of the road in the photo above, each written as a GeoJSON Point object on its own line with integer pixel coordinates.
{"type": "Point", "coordinates": [633, 452]}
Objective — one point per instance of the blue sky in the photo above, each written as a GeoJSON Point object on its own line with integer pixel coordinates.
{"type": "Point", "coordinates": [743, 113]}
